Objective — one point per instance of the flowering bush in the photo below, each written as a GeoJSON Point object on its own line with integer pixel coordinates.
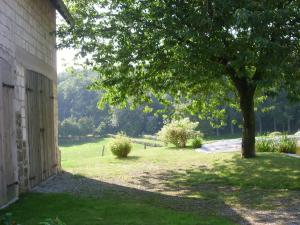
{"type": "Point", "coordinates": [178, 132]}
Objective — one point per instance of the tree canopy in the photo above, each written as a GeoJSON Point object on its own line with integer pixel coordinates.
{"type": "Point", "coordinates": [206, 52]}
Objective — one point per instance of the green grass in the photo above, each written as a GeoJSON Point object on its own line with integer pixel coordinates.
{"type": "Point", "coordinates": [217, 180]}
{"type": "Point", "coordinates": [268, 170]}
{"type": "Point", "coordinates": [255, 182]}
{"type": "Point", "coordinates": [145, 140]}
{"type": "Point", "coordinates": [34, 208]}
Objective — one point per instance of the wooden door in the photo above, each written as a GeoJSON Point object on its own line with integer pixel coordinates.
{"type": "Point", "coordinates": [40, 125]}
{"type": "Point", "coordinates": [8, 148]}
{"type": "Point", "coordinates": [33, 130]}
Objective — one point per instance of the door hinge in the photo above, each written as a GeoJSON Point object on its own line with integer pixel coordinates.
{"type": "Point", "coordinates": [8, 85]}
{"type": "Point", "coordinates": [13, 184]}
{"type": "Point", "coordinates": [29, 89]}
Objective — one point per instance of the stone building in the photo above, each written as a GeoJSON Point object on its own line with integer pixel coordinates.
{"type": "Point", "coordinates": [28, 105]}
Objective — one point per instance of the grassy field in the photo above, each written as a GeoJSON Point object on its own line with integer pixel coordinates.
{"type": "Point", "coordinates": [34, 208]}
{"type": "Point", "coordinates": [278, 171]}
{"type": "Point", "coordinates": [164, 186]}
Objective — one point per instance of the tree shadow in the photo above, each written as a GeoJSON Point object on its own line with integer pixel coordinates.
{"type": "Point", "coordinates": [266, 188]}
{"type": "Point", "coordinates": [79, 185]}
{"type": "Point", "coordinates": [129, 158]}
{"type": "Point", "coordinates": [267, 183]}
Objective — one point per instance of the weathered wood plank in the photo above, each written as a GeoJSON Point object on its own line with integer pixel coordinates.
{"type": "Point", "coordinates": [40, 116]}
{"type": "Point", "coordinates": [33, 127]}
{"type": "Point", "coordinates": [9, 147]}
{"type": "Point", "coordinates": [2, 161]}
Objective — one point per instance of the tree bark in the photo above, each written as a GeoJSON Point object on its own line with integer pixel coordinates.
{"type": "Point", "coordinates": [247, 108]}
{"type": "Point", "coordinates": [246, 89]}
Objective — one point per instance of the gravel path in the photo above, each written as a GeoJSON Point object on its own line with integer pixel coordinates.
{"type": "Point", "coordinates": [229, 145]}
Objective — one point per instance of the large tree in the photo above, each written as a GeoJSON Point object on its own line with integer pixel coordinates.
{"type": "Point", "coordinates": [206, 52]}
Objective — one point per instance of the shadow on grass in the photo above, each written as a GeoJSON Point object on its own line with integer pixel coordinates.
{"type": "Point", "coordinates": [265, 182]}
{"type": "Point", "coordinates": [128, 158]}
{"type": "Point", "coordinates": [205, 190]}
{"type": "Point", "coordinates": [82, 186]}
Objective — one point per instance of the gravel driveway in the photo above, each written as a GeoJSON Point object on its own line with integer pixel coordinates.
{"type": "Point", "coordinates": [229, 145]}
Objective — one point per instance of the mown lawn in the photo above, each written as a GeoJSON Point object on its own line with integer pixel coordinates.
{"type": "Point", "coordinates": [34, 208]}
{"type": "Point", "coordinates": [259, 182]}
{"type": "Point", "coordinates": [199, 184]}
{"type": "Point", "coordinates": [267, 170]}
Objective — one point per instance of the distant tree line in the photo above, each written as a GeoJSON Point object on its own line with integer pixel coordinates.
{"type": "Point", "coordinates": [79, 114]}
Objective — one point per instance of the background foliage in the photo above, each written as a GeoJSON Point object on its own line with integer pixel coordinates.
{"type": "Point", "coordinates": [79, 114]}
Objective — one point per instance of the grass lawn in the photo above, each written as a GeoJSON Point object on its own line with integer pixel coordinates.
{"type": "Point", "coordinates": [34, 208]}
{"type": "Point", "coordinates": [258, 182]}
{"type": "Point", "coordinates": [163, 186]}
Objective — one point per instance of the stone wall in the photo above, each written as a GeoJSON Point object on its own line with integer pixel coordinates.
{"type": "Point", "coordinates": [27, 35]}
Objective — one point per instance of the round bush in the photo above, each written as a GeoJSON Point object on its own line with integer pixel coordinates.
{"type": "Point", "coordinates": [121, 146]}
{"type": "Point", "coordinates": [197, 143]}
{"type": "Point", "coordinates": [177, 132]}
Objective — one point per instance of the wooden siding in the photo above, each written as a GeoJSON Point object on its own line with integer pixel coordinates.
{"type": "Point", "coordinates": [8, 148]}
{"type": "Point", "coordinates": [40, 126]}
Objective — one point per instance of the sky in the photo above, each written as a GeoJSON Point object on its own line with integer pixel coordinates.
{"type": "Point", "coordinates": [65, 59]}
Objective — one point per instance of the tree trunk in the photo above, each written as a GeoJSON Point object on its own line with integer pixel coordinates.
{"type": "Point", "coordinates": [247, 108]}
{"type": "Point", "coordinates": [246, 90]}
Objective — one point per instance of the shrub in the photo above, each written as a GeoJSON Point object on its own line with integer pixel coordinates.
{"type": "Point", "coordinates": [197, 142]}
{"type": "Point", "coordinates": [121, 146]}
{"type": "Point", "coordinates": [76, 127]}
{"type": "Point", "coordinates": [283, 145]}
{"type": "Point", "coordinates": [265, 145]}
{"type": "Point", "coordinates": [178, 132]}
{"type": "Point", "coordinates": [274, 134]}
{"type": "Point", "coordinates": [287, 145]}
